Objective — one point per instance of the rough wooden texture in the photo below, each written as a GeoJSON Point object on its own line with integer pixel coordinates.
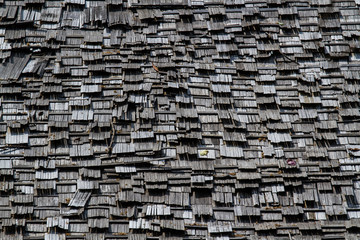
{"type": "Point", "coordinates": [172, 119]}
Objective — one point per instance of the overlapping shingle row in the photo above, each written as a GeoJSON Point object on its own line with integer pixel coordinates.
{"type": "Point", "coordinates": [196, 119]}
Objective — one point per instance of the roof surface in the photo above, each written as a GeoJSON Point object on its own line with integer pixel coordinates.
{"type": "Point", "coordinates": [179, 119]}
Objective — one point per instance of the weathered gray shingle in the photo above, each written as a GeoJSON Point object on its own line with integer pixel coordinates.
{"type": "Point", "coordinates": [179, 119]}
